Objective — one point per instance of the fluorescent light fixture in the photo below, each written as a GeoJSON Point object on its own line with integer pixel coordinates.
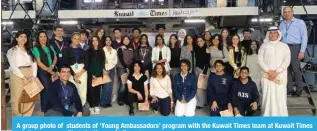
{"type": "Point", "coordinates": [262, 19]}
{"type": "Point", "coordinates": [161, 0]}
{"type": "Point", "coordinates": [194, 21]}
{"type": "Point", "coordinates": [90, 1]}
{"type": "Point", "coordinates": [69, 22]}
{"type": "Point", "coordinates": [7, 23]}
{"type": "Point", "coordinates": [148, 0]}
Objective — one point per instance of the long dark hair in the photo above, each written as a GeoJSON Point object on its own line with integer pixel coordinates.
{"type": "Point", "coordinates": [177, 42]}
{"type": "Point", "coordinates": [156, 37]}
{"type": "Point", "coordinates": [130, 43]}
{"type": "Point", "coordinates": [230, 44]}
{"type": "Point", "coordinates": [257, 47]}
{"type": "Point", "coordinates": [91, 44]}
{"type": "Point", "coordinates": [27, 45]}
{"type": "Point", "coordinates": [147, 40]}
{"type": "Point", "coordinates": [185, 40]}
{"type": "Point", "coordinates": [220, 45]}
{"type": "Point", "coordinates": [102, 39]}
{"type": "Point", "coordinates": [154, 73]}
{"type": "Point", "coordinates": [37, 40]}
{"type": "Point", "coordinates": [132, 67]}
{"type": "Point", "coordinates": [228, 37]}
{"type": "Point", "coordinates": [201, 37]}
{"type": "Point", "coordinates": [106, 40]}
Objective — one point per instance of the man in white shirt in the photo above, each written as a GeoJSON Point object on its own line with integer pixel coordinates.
{"type": "Point", "coordinates": [274, 59]}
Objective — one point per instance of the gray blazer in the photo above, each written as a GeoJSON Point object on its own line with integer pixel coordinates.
{"type": "Point", "coordinates": [186, 54]}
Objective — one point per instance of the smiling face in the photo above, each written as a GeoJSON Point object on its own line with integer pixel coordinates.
{"type": "Point", "coordinates": [173, 40]}
{"type": "Point", "coordinates": [144, 40]}
{"type": "Point", "coordinates": [219, 67]}
{"type": "Point", "coordinates": [224, 33]}
{"type": "Point", "coordinates": [137, 68]}
{"type": "Point", "coordinates": [254, 46]}
{"type": "Point", "coordinates": [189, 40]}
{"type": "Point", "coordinates": [21, 39]}
{"type": "Point", "coordinates": [136, 33]}
{"type": "Point", "coordinates": [159, 70]}
{"type": "Point", "coordinates": [42, 38]}
{"type": "Point", "coordinates": [244, 74]}
{"type": "Point", "coordinates": [95, 42]}
{"type": "Point", "coordinates": [207, 36]}
{"type": "Point", "coordinates": [59, 32]}
{"type": "Point", "coordinates": [108, 41]}
{"type": "Point", "coordinates": [126, 41]}
{"type": "Point", "coordinates": [201, 42]}
{"type": "Point", "coordinates": [215, 41]}
{"type": "Point", "coordinates": [101, 33]}
{"type": "Point", "coordinates": [274, 35]}
{"type": "Point", "coordinates": [76, 39]}
{"type": "Point", "coordinates": [288, 13]}
{"type": "Point", "coordinates": [235, 40]}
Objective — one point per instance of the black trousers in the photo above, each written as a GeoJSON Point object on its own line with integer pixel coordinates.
{"type": "Point", "coordinates": [134, 98]}
{"type": "Point", "coordinates": [93, 96]}
{"type": "Point", "coordinates": [245, 109]}
{"type": "Point", "coordinates": [164, 105]}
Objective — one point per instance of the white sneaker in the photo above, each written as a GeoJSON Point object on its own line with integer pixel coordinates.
{"type": "Point", "coordinates": [97, 110]}
{"type": "Point", "coordinates": [92, 111]}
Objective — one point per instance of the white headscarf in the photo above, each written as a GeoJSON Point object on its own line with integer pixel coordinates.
{"type": "Point", "coordinates": [273, 29]}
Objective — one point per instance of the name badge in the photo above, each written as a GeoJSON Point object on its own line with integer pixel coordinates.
{"type": "Point", "coordinates": [76, 66]}
{"type": "Point", "coordinates": [286, 35]}
{"type": "Point", "coordinates": [60, 55]}
{"type": "Point", "coordinates": [66, 107]}
{"type": "Point", "coordinates": [142, 61]}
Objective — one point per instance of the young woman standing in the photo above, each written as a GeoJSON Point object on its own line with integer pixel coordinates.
{"type": "Point", "coordinates": [101, 35]}
{"type": "Point", "coordinates": [78, 60]}
{"type": "Point", "coordinates": [202, 66]}
{"type": "Point", "coordinates": [237, 56]}
{"type": "Point", "coordinates": [143, 54]}
{"type": "Point", "coordinates": [217, 51]}
{"type": "Point", "coordinates": [125, 56]}
{"type": "Point", "coordinates": [188, 52]}
{"type": "Point", "coordinates": [175, 55]}
{"type": "Point", "coordinates": [96, 65]}
{"type": "Point", "coordinates": [24, 70]}
{"type": "Point", "coordinates": [161, 53]}
{"type": "Point", "coordinates": [46, 60]}
{"type": "Point", "coordinates": [110, 64]}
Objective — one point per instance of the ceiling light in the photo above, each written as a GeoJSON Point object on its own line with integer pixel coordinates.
{"type": "Point", "coordinates": [262, 20]}
{"type": "Point", "coordinates": [69, 22]}
{"type": "Point", "coordinates": [194, 21]}
{"type": "Point", "coordinates": [7, 23]}
{"type": "Point", "coordinates": [90, 1]}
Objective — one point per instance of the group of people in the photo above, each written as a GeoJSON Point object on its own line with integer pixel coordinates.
{"type": "Point", "coordinates": [165, 77]}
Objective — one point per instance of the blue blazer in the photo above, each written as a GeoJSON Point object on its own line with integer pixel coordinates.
{"type": "Point", "coordinates": [188, 88]}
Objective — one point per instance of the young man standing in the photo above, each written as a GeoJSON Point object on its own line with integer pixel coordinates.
{"type": "Point", "coordinates": [84, 44]}
{"type": "Point", "coordinates": [246, 43]}
{"type": "Point", "coordinates": [116, 43]}
{"type": "Point", "coordinates": [136, 37]}
{"type": "Point", "coordinates": [59, 44]}
{"type": "Point", "coordinates": [245, 95]}
{"type": "Point", "coordinates": [63, 98]}
{"type": "Point", "coordinates": [218, 91]}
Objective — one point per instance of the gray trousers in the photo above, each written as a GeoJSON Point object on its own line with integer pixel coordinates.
{"type": "Point", "coordinates": [294, 70]}
{"type": "Point", "coordinates": [52, 112]}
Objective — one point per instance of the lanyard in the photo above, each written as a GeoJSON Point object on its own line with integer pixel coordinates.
{"type": "Point", "coordinates": [65, 90]}
{"type": "Point", "coordinates": [59, 47]}
{"type": "Point", "coordinates": [143, 53]}
{"type": "Point", "coordinates": [287, 27]}
{"type": "Point", "coordinates": [76, 54]}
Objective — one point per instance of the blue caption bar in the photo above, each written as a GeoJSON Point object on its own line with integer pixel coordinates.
{"type": "Point", "coordinates": [164, 123]}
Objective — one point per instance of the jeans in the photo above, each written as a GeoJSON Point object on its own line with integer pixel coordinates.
{"type": "Point", "coordinates": [106, 93]}
{"type": "Point", "coordinates": [45, 79]}
{"type": "Point", "coordinates": [122, 87]}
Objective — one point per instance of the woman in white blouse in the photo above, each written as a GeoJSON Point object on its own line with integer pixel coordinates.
{"type": "Point", "coordinates": [161, 53]}
{"type": "Point", "coordinates": [161, 90]}
{"type": "Point", "coordinates": [110, 63]}
{"type": "Point", "coordinates": [24, 70]}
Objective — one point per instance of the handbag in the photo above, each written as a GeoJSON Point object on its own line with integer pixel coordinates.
{"type": "Point", "coordinates": [101, 80]}
{"type": "Point", "coordinates": [30, 93]}
{"type": "Point", "coordinates": [202, 82]}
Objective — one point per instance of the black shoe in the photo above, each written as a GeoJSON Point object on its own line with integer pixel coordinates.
{"type": "Point", "coordinates": [131, 112]}
{"type": "Point", "coordinates": [198, 107]}
{"type": "Point", "coordinates": [298, 93]}
{"type": "Point", "coordinates": [120, 103]}
{"type": "Point", "coordinates": [290, 93]}
{"type": "Point", "coordinates": [103, 106]}
{"type": "Point", "coordinates": [109, 105]}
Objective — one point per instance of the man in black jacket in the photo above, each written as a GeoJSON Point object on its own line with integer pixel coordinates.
{"type": "Point", "coordinates": [246, 43]}
{"type": "Point", "coordinates": [245, 95]}
{"type": "Point", "coordinates": [59, 43]}
{"type": "Point", "coordinates": [63, 98]}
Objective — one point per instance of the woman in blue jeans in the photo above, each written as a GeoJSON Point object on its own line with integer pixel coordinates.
{"type": "Point", "coordinates": [110, 63]}
{"type": "Point", "coordinates": [46, 60]}
{"type": "Point", "coordinates": [125, 56]}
